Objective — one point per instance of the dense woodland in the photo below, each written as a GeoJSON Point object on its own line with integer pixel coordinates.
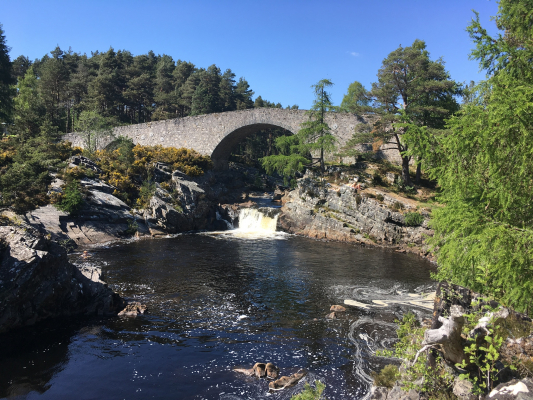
{"type": "Point", "coordinates": [129, 89]}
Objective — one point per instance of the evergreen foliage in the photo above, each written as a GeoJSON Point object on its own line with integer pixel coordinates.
{"type": "Point", "coordinates": [357, 100]}
{"type": "Point", "coordinates": [314, 137]}
{"type": "Point", "coordinates": [120, 87]}
{"type": "Point", "coordinates": [413, 97]}
{"type": "Point", "coordinates": [6, 80]}
{"type": "Point", "coordinates": [72, 199]}
{"type": "Point", "coordinates": [484, 235]}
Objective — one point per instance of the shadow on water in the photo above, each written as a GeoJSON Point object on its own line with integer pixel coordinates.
{"type": "Point", "coordinates": [214, 303]}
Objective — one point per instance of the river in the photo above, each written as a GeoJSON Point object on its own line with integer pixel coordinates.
{"type": "Point", "coordinates": [215, 302]}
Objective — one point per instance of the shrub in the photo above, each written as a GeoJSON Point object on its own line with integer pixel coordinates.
{"type": "Point", "coordinates": [387, 377]}
{"type": "Point", "coordinates": [413, 219]}
{"type": "Point", "coordinates": [380, 197]}
{"type": "Point", "coordinates": [437, 382]}
{"type": "Point", "coordinates": [397, 206]}
{"type": "Point", "coordinates": [133, 226]}
{"type": "Point", "coordinates": [376, 178]}
{"type": "Point", "coordinates": [71, 200]}
{"type": "Point", "coordinates": [145, 193]}
{"type": "Point", "coordinates": [310, 393]}
{"type": "Point", "coordinates": [358, 199]}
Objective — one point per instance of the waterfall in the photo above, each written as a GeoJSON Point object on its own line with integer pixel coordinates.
{"type": "Point", "coordinates": [258, 219]}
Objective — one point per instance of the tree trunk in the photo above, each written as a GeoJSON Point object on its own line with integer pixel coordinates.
{"type": "Point", "coordinates": [448, 336]}
{"type": "Point", "coordinates": [322, 166]}
{"type": "Point", "coordinates": [418, 172]}
{"type": "Point", "coordinates": [405, 171]}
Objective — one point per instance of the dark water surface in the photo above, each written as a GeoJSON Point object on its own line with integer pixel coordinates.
{"type": "Point", "coordinates": [216, 302]}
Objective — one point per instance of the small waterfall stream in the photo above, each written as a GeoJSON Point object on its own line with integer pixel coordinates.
{"type": "Point", "coordinates": [258, 219]}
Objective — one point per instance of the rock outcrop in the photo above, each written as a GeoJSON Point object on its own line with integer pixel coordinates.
{"type": "Point", "coordinates": [315, 210]}
{"type": "Point", "coordinates": [37, 282]}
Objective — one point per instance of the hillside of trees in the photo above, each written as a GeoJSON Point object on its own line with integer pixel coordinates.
{"type": "Point", "coordinates": [125, 89]}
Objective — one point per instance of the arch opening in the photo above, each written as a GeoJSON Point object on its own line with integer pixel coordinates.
{"type": "Point", "coordinates": [223, 151]}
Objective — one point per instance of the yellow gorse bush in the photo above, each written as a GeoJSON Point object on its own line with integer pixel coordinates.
{"type": "Point", "coordinates": [127, 171]}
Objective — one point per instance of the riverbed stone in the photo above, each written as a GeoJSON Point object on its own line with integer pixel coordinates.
{"type": "Point", "coordinates": [287, 381]}
{"type": "Point", "coordinates": [38, 282]}
{"type": "Point", "coordinates": [379, 393]}
{"type": "Point", "coordinates": [133, 309]}
{"type": "Point", "coordinates": [337, 308]}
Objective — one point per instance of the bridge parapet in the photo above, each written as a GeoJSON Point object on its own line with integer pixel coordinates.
{"type": "Point", "coordinates": [216, 134]}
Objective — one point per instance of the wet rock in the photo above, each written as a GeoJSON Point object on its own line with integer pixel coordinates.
{"type": "Point", "coordinates": [91, 272]}
{"type": "Point", "coordinates": [278, 194]}
{"type": "Point", "coordinates": [287, 381]}
{"type": "Point", "coordinates": [272, 371]}
{"type": "Point", "coordinates": [515, 389]}
{"type": "Point", "coordinates": [37, 282]}
{"type": "Point", "coordinates": [133, 309]}
{"type": "Point", "coordinates": [332, 315]}
{"type": "Point", "coordinates": [246, 371]}
{"type": "Point", "coordinates": [337, 308]}
{"type": "Point", "coordinates": [261, 370]}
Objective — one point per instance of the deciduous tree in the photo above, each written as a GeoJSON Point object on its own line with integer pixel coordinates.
{"type": "Point", "coordinates": [484, 234]}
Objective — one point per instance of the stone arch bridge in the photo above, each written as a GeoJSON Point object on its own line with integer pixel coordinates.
{"type": "Point", "coordinates": [216, 134]}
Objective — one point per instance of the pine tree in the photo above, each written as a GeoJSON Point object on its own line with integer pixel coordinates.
{"type": "Point", "coordinates": [243, 94]}
{"type": "Point", "coordinates": [357, 100]}
{"type": "Point", "coordinates": [484, 234]}
{"type": "Point", "coordinates": [6, 80]}
{"type": "Point", "coordinates": [413, 97]}
{"type": "Point", "coordinates": [315, 134]}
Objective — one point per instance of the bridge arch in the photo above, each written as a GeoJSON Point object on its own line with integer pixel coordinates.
{"type": "Point", "coordinates": [222, 151]}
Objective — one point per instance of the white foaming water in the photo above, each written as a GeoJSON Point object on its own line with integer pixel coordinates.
{"type": "Point", "coordinates": [255, 223]}
{"type": "Point", "coordinates": [255, 220]}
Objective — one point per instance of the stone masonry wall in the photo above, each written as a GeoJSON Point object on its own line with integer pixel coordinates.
{"type": "Point", "coordinates": [215, 134]}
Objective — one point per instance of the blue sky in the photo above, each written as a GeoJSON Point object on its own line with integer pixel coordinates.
{"type": "Point", "coordinates": [280, 47]}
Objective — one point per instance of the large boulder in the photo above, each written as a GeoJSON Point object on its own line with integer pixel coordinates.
{"type": "Point", "coordinates": [37, 282]}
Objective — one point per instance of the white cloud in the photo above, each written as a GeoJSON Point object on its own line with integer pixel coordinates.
{"type": "Point", "coordinates": [353, 53]}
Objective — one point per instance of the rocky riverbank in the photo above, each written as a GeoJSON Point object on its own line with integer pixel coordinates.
{"type": "Point", "coordinates": [448, 367]}
{"type": "Point", "coordinates": [37, 281]}
{"type": "Point", "coordinates": [320, 210]}
{"type": "Point", "coordinates": [179, 203]}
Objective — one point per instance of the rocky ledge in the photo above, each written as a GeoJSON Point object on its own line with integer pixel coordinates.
{"type": "Point", "coordinates": [37, 282]}
{"type": "Point", "coordinates": [316, 210]}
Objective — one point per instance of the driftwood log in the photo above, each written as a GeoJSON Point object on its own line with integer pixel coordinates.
{"type": "Point", "coordinates": [447, 338]}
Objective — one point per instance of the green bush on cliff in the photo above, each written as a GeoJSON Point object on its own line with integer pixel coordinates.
{"type": "Point", "coordinates": [72, 199]}
{"type": "Point", "coordinates": [413, 219]}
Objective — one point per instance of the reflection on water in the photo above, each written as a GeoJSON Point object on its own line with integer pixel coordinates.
{"type": "Point", "coordinates": [216, 302]}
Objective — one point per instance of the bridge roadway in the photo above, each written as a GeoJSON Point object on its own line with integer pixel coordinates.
{"type": "Point", "coordinates": [216, 134]}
